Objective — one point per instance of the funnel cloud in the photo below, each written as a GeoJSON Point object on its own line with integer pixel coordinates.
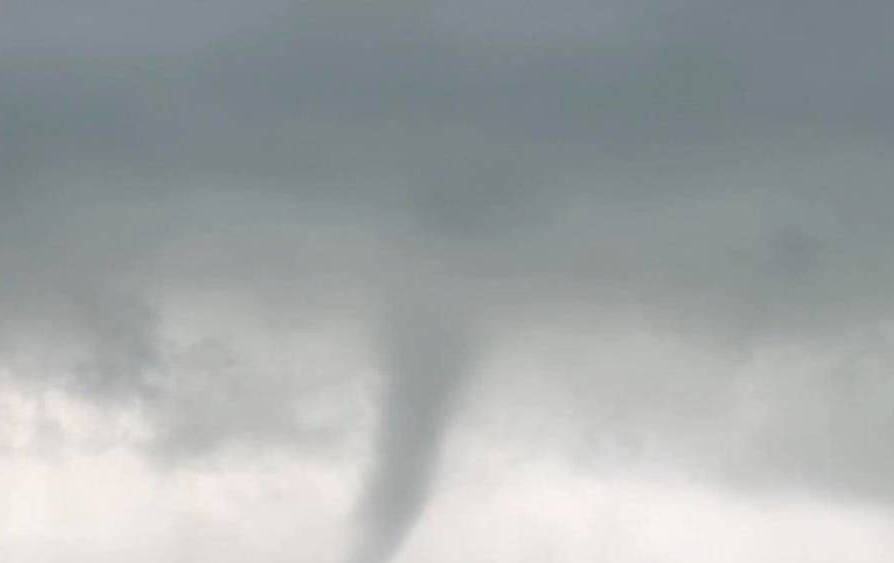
{"type": "Point", "coordinates": [426, 357]}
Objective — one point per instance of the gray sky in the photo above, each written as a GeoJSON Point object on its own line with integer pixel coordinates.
{"type": "Point", "coordinates": [357, 282]}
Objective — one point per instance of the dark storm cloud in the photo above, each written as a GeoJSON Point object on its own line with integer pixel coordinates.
{"type": "Point", "coordinates": [723, 167]}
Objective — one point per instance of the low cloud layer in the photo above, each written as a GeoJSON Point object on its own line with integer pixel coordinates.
{"type": "Point", "coordinates": [381, 241]}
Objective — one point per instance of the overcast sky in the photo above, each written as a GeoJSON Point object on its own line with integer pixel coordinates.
{"type": "Point", "coordinates": [329, 281]}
